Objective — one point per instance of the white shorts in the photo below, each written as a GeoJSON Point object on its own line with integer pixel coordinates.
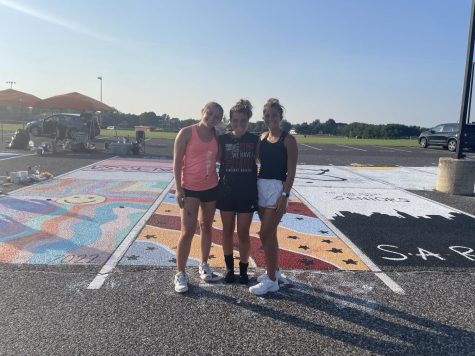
{"type": "Point", "coordinates": [268, 191]}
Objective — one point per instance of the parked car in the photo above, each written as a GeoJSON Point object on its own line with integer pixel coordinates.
{"type": "Point", "coordinates": [446, 135]}
{"type": "Point", "coordinates": [68, 123]}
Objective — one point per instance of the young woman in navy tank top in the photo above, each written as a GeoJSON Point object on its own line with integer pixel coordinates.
{"type": "Point", "coordinates": [278, 158]}
{"type": "Point", "coordinates": [194, 167]}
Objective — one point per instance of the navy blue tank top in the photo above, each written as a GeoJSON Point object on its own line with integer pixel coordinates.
{"type": "Point", "coordinates": [238, 169]}
{"type": "Point", "coordinates": [273, 157]}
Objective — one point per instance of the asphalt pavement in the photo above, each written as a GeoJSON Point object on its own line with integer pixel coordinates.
{"type": "Point", "coordinates": [49, 310]}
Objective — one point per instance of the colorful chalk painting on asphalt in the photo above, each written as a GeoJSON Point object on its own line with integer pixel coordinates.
{"type": "Point", "coordinates": [80, 217]}
{"type": "Point", "coordinates": [393, 227]}
{"type": "Point", "coordinates": [305, 242]}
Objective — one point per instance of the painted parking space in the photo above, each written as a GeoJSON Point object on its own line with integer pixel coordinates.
{"type": "Point", "coordinates": [6, 155]}
{"type": "Point", "coordinates": [80, 217]}
{"type": "Point", "coordinates": [305, 242]}
{"type": "Point", "coordinates": [393, 227]}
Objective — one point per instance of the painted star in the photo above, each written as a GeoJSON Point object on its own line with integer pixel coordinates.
{"type": "Point", "coordinates": [299, 218]}
{"type": "Point", "coordinates": [304, 247]}
{"type": "Point", "coordinates": [336, 250]}
{"type": "Point", "coordinates": [293, 237]}
{"type": "Point", "coordinates": [350, 262]}
{"type": "Point", "coordinates": [148, 237]}
{"type": "Point", "coordinates": [306, 262]}
{"type": "Point", "coordinates": [327, 241]}
{"type": "Point", "coordinates": [150, 248]}
{"type": "Point", "coordinates": [173, 260]}
{"type": "Point", "coordinates": [133, 257]}
{"type": "Point", "coordinates": [167, 211]}
{"type": "Point", "coordinates": [324, 232]}
{"type": "Point", "coordinates": [211, 257]}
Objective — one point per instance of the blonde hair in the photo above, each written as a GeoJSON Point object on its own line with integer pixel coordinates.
{"type": "Point", "coordinates": [214, 103]}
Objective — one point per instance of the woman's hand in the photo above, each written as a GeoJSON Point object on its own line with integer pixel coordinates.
{"type": "Point", "coordinates": [180, 198]}
{"type": "Point", "coordinates": [281, 205]}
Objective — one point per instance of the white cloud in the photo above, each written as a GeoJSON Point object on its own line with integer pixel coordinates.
{"type": "Point", "coordinates": [51, 19]}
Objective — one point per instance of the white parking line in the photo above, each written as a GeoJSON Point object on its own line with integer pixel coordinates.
{"type": "Point", "coordinates": [394, 149]}
{"type": "Point", "coordinates": [372, 266]}
{"type": "Point", "coordinates": [109, 266]}
{"type": "Point", "coordinates": [353, 148]}
{"type": "Point", "coordinates": [19, 155]}
{"type": "Point", "coordinates": [315, 148]}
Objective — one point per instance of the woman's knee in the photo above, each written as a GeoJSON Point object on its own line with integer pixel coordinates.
{"type": "Point", "coordinates": [206, 225]}
{"type": "Point", "coordinates": [187, 235]}
{"type": "Point", "coordinates": [243, 234]}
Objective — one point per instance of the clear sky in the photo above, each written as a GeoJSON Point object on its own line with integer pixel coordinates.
{"type": "Point", "coordinates": [374, 61]}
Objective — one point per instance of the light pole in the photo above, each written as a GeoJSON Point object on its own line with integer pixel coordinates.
{"type": "Point", "coordinates": [11, 83]}
{"type": "Point", "coordinates": [466, 87]}
{"type": "Point", "coordinates": [100, 78]}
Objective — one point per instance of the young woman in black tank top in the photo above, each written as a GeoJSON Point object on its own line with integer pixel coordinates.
{"type": "Point", "coordinates": [278, 157]}
{"type": "Point", "coordinates": [237, 200]}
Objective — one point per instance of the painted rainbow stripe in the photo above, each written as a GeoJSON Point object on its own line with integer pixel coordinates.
{"type": "Point", "coordinates": [305, 242]}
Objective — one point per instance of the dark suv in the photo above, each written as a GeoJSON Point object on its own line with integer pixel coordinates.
{"type": "Point", "coordinates": [446, 135]}
{"type": "Point", "coordinates": [70, 123]}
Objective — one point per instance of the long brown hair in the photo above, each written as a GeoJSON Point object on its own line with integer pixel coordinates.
{"type": "Point", "coordinates": [274, 103]}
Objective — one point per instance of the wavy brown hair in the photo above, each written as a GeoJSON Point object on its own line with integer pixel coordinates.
{"type": "Point", "coordinates": [243, 106]}
{"type": "Point", "coordinates": [274, 103]}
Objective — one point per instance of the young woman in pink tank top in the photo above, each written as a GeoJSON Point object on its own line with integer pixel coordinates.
{"type": "Point", "coordinates": [194, 166]}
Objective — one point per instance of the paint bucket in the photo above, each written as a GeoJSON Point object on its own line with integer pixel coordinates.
{"type": "Point", "coordinates": [15, 177]}
{"type": "Point", "coordinates": [23, 175]}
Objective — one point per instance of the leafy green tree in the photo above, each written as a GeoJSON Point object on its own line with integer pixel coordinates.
{"type": "Point", "coordinates": [329, 127]}
{"type": "Point", "coordinates": [285, 125]}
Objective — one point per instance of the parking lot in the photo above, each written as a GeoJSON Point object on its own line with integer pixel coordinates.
{"type": "Point", "coordinates": [371, 252]}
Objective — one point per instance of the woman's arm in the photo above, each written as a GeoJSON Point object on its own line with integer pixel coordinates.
{"type": "Point", "coordinates": [258, 148]}
{"type": "Point", "coordinates": [179, 149]}
{"type": "Point", "coordinates": [292, 156]}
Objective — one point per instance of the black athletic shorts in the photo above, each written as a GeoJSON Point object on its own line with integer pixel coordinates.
{"type": "Point", "coordinates": [204, 196]}
{"type": "Point", "coordinates": [238, 206]}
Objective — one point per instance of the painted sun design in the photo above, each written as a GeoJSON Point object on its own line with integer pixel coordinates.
{"type": "Point", "coordinates": [82, 199]}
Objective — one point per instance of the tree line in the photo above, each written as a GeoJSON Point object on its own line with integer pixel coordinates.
{"type": "Point", "coordinates": [357, 129]}
{"type": "Point", "coordinates": [167, 123]}
{"type": "Point", "coordinates": [329, 127]}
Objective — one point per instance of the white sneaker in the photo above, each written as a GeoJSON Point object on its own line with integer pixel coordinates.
{"type": "Point", "coordinates": [181, 282]}
{"type": "Point", "coordinates": [205, 272]}
{"type": "Point", "coordinates": [278, 276]}
{"type": "Point", "coordinates": [264, 286]}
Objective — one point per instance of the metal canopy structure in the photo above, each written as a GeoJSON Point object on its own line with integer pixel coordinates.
{"type": "Point", "coordinates": [466, 97]}
{"type": "Point", "coordinates": [73, 101]}
{"type": "Point", "coordinates": [17, 99]}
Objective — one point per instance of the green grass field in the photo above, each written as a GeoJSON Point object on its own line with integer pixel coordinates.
{"type": "Point", "coordinates": [318, 140]}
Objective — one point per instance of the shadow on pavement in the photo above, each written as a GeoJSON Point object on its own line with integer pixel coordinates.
{"type": "Point", "coordinates": [411, 334]}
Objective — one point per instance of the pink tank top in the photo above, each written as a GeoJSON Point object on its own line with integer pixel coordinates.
{"type": "Point", "coordinates": [199, 163]}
